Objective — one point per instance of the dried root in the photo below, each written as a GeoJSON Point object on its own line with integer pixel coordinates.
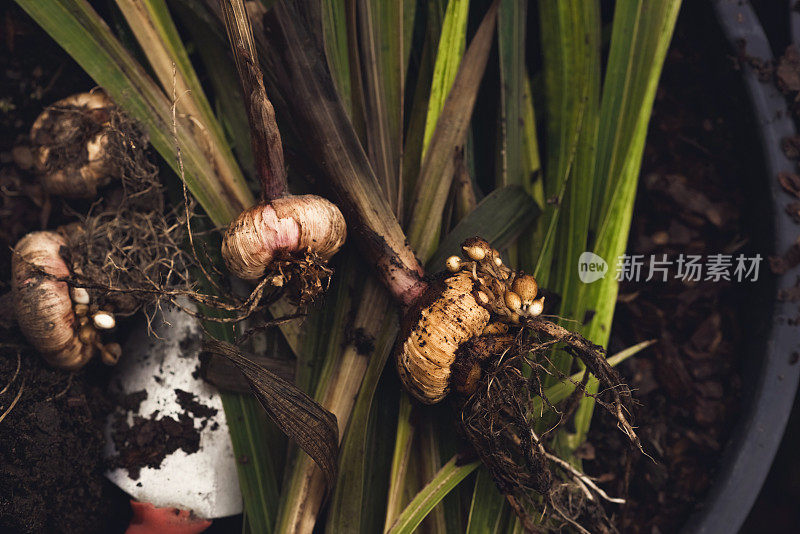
{"type": "Point", "coordinates": [478, 333]}
{"type": "Point", "coordinates": [499, 420]}
{"type": "Point", "coordinates": [127, 252]}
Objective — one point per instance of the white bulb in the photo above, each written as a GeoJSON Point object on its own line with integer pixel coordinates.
{"type": "Point", "coordinates": [80, 295]}
{"type": "Point", "coordinates": [104, 321]}
{"type": "Point", "coordinates": [453, 263]}
{"type": "Point", "coordinates": [537, 307]}
{"type": "Point", "coordinates": [475, 253]}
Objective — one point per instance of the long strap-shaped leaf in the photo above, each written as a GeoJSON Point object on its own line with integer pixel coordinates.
{"type": "Point", "coordinates": [452, 42]}
{"type": "Point", "coordinates": [154, 29]}
{"type": "Point", "coordinates": [448, 477]}
{"type": "Point", "coordinates": [383, 72]}
{"type": "Point", "coordinates": [86, 37]}
{"type": "Point", "coordinates": [639, 42]}
{"type": "Point", "coordinates": [512, 18]}
{"type": "Point", "coordinates": [436, 173]}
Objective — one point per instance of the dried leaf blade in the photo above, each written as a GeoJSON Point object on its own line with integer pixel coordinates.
{"type": "Point", "coordinates": [301, 418]}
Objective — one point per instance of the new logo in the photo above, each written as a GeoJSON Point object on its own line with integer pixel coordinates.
{"type": "Point", "coordinates": [591, 267]}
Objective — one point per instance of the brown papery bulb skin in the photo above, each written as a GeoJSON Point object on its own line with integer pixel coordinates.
{"type": "Point", "coordinates": [53, 128]}
{"type": "Point", "coordinates": [42, 303]}
{"type": "Point", "coordinates": [279, 229]}
{"type": "Point", "coordinates": [447, 316]}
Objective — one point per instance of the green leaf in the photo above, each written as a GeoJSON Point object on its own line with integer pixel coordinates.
{"type": "Point", "coordinates": [381, 38]}
{"type": "Point", "coordinates": [257, 479]}
{"type": "Point", "coordinates": [532, 166]}
{"type": "Point", "coordinates": [429, 462]}
{"type": "Point", "coordinates": [155, 30]}
{"type": "Point", "coordinates": [499, 218]}
{"type": "Point", "coordinates": [400, 461]}
{"type": "Point", "coordinates": [570, 45]}
{"type": "Point", "coordinates": [212, 49]}
{"type": "Point", "coordinates": [251, 439]}
{"type": "Point", "coordinates": [436, 173]}
{"type": "Point", "coordinates": [418, 115]}
{"type": "Point", "coordinates": [334, 26]}
{"type": "Point", "coordinates": [346, 507]}
{"type": "Point", "coordinates": [639, 42]}
{"type": "Point", "coordinates": [512, 17]}
{"type": "Point", "coordinates": [447, 478]}
{"type": "Point", "coordinates": [452, 42]}
{"type": "Point", "coordinates": [319, 366]}
{"type": "Point", "coordinates": [571, 49]}
{"type": "Point", "coordinates": [486, 512]}
{"type": "Point", "coordinates": [84, 35]}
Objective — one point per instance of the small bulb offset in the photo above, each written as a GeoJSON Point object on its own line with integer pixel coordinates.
{"type": "Point", "coordinates": [513, 301]}
{"type": "Point", "coordinates": [80, 295]}
{"type": "Point", "coordinates": [103, 321]}
{"type": "Point", "coordinates": [453, 263]}
{"type": "Point", "coordinates": [475, 253]}
{"type": "Point", "coordinates": [110, 353]}
{"type": "Point", "coordinates": [526, 287]}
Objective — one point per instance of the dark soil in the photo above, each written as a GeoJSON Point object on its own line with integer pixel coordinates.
{"type": "Point", "coordinates": [147, 441]}
{"type": "Point", "coordinates": [34, 73]}
{"type": "Point", "coordinates": [189, 402]}
{"type": "Point", "coordinates": [51, 450]}
{"type": "Point", "coordinates": [51, 442]}
{"type": "Point", "coordinates": [702, 192]}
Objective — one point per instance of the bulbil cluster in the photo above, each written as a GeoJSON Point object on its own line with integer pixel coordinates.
{"type": "Point", "coordinates": [477, 332]}
{"type": "Point", "coordinates": [478, 297]}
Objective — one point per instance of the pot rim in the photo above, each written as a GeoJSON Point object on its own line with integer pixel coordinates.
{"type": "Point", "coordinates": [758, 434]}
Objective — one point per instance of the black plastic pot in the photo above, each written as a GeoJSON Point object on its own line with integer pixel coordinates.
{"type": "Point", "coordinates": [773, 380]}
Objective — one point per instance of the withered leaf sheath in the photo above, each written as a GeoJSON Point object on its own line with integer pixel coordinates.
{"type": "Point", "coordinates": [446, 317]}
{"type": "Point", "coordinates": [42, 303]}
{"type": "Point", "coordinates": [299, 416]}
{"type": "Point", "coordinates": [70, 141]}
{"type": "Point", "coordinates": [279, 229]}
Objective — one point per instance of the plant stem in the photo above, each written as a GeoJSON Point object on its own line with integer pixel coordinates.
{"type": "Point", "coordinates": [264, 134]}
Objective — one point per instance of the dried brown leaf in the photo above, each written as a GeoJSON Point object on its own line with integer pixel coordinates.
{"type": "Point", "coordinates": [298, 416]}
